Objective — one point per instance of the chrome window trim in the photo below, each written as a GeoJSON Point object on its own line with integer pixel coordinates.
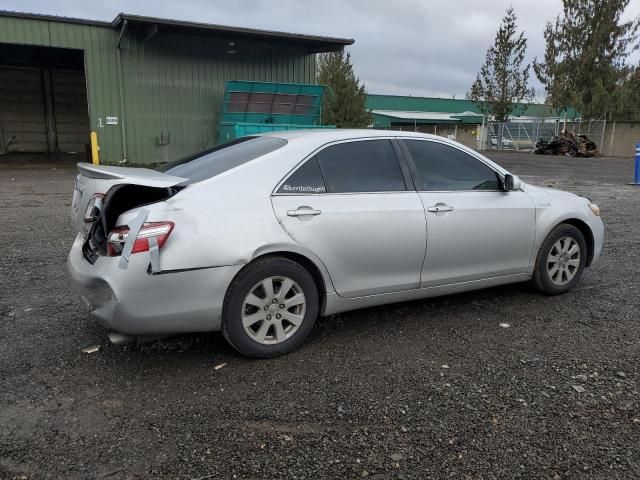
{"type": "Point", "coordinates": [340, 193]}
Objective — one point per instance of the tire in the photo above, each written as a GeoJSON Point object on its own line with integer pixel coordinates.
{"type": "Point", "coordinates": [256, 325]}
{"type": "Point", "coordinates": [560, 246]}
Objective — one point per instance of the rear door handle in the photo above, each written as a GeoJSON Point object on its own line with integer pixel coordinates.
{"type": "Point", "coordinates": [440, 207]}
{"type": "Point", "coordinates": [300, 211]}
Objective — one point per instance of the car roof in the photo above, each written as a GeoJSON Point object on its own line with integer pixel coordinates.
{"type": "Point", "coordinates": [316, 137]}
{"type": "Point", "coordinates": [330, 134]}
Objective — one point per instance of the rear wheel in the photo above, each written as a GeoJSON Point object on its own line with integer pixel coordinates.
{"type": "Point", "coordinates": [561, 260]}
{"type": "Point", "coordinates": [270, 308]}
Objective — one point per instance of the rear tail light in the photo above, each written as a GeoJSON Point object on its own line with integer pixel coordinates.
{"type": "Point", "coordinates": [118, 236]}
{"type": "Point", "coordinates": [92, 211]}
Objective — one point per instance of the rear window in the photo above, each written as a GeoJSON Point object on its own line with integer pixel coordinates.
{"type": "Point", "coordinates": [221, 158]}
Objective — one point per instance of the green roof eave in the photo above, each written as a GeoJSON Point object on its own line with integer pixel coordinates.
{"type": "Point", "coordinates": [457, 106]}
{"type": "Point", "coordinates": [455, 119]}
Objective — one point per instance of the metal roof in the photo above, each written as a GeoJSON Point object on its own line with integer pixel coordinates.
{"type": "Point", "coordinates": [315, 43]}
{"type": "Point", "coordinates": [458, 106]}
{"type": "Point", "coordinates": [431, 116]}
{"type": "Point", "coordinates": [54, 18]}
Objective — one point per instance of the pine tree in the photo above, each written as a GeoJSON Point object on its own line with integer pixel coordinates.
{"type": "Point", "coordinates": [344, 102]}
{"type": "Point", "coordinates": [630, 96]}
{"type": "Point", "coordinates": [586, 51]}
{"type": "Point", "coordinates": [503, 80]}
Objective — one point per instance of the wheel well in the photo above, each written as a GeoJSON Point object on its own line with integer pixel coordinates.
{"type": "Point", "coordinates": [308, 265]}
{"type": "Point", "coordinates": [588, 236]}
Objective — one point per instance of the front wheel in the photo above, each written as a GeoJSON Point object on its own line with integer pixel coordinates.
{"type": "Point", "coordinates": [561, 260]}
{"type": "Point", "coordinates": [270, 308]}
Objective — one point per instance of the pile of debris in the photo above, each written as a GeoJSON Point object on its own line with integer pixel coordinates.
{"type": "Point", "coordinates": [567, 143]}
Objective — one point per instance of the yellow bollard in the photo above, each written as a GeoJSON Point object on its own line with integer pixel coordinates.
{"type": "Point", "coordinates": [95, 157]}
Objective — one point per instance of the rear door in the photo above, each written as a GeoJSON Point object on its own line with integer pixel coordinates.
{"type": "Point", "coordinates": [350, 205]}
{"type": "Point", "coordinates": [475, 230]}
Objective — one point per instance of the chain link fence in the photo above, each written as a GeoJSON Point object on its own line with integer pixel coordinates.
{"type": "Point", "coordinates": [523, 135]}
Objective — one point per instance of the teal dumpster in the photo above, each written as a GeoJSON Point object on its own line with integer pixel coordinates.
{"type": "Point", "coordinates": [255, 107]}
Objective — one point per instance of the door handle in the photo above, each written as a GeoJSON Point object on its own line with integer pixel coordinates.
{"type": "Point", "coordinates": [440, 207]}
{"type": "Point", "coordinates": [300, 211]}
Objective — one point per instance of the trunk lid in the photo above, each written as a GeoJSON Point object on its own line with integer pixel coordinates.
{"type": "Point", "coordinates": [94, 181]}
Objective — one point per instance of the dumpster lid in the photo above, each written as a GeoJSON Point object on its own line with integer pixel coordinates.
{"type": "Point", "coordinates": [268, 102]}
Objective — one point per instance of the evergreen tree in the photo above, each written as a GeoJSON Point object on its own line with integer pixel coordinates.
{"type": "Point", "coordinates": [344, 102]}
{"type": "Point", "coordinates": [630, 96]}
{"type": "Point", "coordinates": [503, 79]}
{"type": "Point", "coordinates": [584, 60]}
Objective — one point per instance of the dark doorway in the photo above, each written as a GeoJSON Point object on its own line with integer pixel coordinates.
{"type": "Point", "coordinates": [43, 100]}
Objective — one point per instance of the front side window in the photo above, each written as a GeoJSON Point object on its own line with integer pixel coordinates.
{"type": "Point", "coordinates": [362, 166]}
{"type": "Point", "coordinates": [441, 167]}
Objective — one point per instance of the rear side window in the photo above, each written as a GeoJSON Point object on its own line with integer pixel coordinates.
{"type": "Point", "coordinates": [221, 158]}
{"type": "Point", "coordinates": [307, 179]}
{"type": "Point", "coordinates": [364, 166]}
{"type": "Point", "coordinates": [441, 167]}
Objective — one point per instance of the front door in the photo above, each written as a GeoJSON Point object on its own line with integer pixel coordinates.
{"type": "Point", "coordinates": [350, 206]}
{"type": "Point", "coordinates": [475, 230]}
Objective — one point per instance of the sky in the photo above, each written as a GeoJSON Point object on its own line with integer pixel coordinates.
{"type": "Point", "coordinates": [403, 47]}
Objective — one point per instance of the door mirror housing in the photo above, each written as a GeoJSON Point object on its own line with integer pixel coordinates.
{"type": "Point", "coordinates": [511, 182]}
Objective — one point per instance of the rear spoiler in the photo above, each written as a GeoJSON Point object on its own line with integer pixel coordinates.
{"type": "Point", "coordinates": [136, 176]}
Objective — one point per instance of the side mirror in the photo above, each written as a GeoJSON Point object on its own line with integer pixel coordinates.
{"type": "Point", "coordinates": [511, 182]}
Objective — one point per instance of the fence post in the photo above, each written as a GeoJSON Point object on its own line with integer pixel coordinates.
{"type": "Point", "coordinates": [604, 128]}
{"type": "Point", "coordinates": [636, 180]}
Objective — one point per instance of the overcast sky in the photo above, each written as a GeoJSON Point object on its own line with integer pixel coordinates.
{"type": "Point", "coordinates": [403, 47]}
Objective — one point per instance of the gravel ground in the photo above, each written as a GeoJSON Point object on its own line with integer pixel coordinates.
{"type": "Point", "coordinates": [428, 389]}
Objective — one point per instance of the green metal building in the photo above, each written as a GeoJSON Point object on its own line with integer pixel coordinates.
{"type": "Point", "coordinates": [390, 111]}
{"type": "Point", "coordinates": [151, 88]}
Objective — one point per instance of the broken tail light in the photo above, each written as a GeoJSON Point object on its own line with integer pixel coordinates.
{"type": "Point", "coordinates": [118, 236]}
{"type": "Point", "coordinates": [92, 212]}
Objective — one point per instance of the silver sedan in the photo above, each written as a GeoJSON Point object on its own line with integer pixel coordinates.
{"type": "Point", "coordinates": [260, 236]}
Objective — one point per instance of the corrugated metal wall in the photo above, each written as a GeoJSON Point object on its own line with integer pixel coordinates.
{"type": "Point", "coordinates": [172, 85]}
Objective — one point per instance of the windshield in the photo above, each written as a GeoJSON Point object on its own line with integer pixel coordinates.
{"type": "Point", "coordinates": [219, 159]}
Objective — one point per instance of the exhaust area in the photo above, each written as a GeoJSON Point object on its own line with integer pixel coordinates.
{"type": "Point", "coordinates": [120, 339]}
{"type": "Point", "coordinates": [117, 338]}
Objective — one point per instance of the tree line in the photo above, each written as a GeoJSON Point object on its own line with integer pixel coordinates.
{"type": "Point", "coordinates": [585, 66]}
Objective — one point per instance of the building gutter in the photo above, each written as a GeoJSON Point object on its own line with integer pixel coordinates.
{"type": "Point", "coordinates": [122, 31]}
{"type": "Point", "coordinates": [121, 93]}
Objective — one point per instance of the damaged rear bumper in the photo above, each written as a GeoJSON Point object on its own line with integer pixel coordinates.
{"type": "Point", "coordinates": [135, 302]}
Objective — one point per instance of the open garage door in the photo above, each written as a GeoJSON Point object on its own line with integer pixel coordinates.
{"type": "Point", "coordinates": [23, 120]}
{"type": "Point", "coordinates": [43, 100]}
{"type": "Point", "coordinates": [70, 106]}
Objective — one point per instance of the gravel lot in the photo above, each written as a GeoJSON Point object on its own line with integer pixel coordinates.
{"type": "Point", "coordinates": [429, 389]}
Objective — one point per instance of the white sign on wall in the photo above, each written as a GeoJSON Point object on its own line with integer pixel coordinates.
{"type": "Point", "coordinates": [112, 120]}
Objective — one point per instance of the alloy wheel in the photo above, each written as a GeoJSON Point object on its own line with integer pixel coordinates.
{"type": "Point", "coordinates": [563, 261]}
{"type": "Point", "coordinates": [273, 310]}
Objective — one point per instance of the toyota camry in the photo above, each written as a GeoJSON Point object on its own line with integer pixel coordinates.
{"type": "Point", "coordinates": [258, 237]}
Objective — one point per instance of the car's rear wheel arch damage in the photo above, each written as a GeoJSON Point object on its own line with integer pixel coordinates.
{"type": "Point", "coordinates": [305, 263]}
{"type": "Point", "coordinates": [588, 237]}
